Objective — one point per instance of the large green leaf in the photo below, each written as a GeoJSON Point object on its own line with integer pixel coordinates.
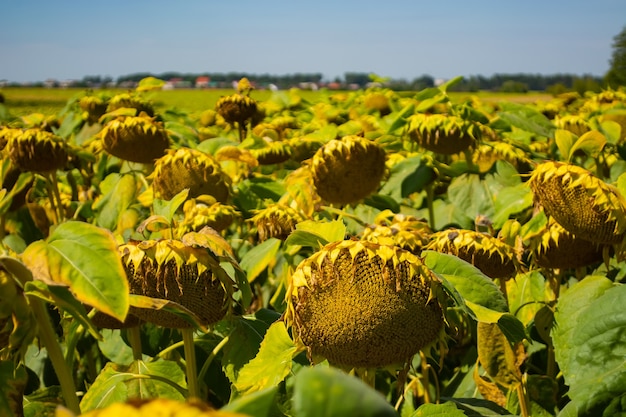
{"type": "Point", "coordinates": [260, 257]}
{"type": "Point", "coordinates": [509, 201]}
{"type": "Point", "coordinates": [329, 392]}
{"type": "Point", "coordinates": [469, 281]}
{"type": "Point", "coordinates": [118, 193]}
{"type": "Point", "coordinates": [447, 409]}
{"type": "Point", "coordinates": [526, 118]}
{"type": "Point", "coordinates": [83, 257]}
{"type": "Point", "coordinates": [408, 176]}
{"type": "Point", "coordinates": [139, 380]}
{"type": "Point", "coordinates": [258, 404]}
{"type": "Point", "coordinates": [271, 365]}
{"type": "Point", "coordinates": [591, 143]}
{"type": "Point", "coordinates": [527, 294]}
{"type": "Point", "coordinates": [316, 234]}
{"type": "Point", "coordinates": [590, 342]}
{"type": "Point", "coordinates": [471, 195]}
{"type": "Point", "coordinates": [244, 340]}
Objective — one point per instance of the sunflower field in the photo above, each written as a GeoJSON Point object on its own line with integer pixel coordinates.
{"type": "Point", "coordinates": [364, 253]}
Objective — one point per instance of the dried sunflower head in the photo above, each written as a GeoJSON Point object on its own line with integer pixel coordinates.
{"type": "Point", "coordinates": [200, 213]}
{"type": "Point", "coordinates": [180, 271]}
{"type": "Point", "coordinates": [126, 100]}
{"type": "Point", "coordinates": [136, 139]}
{"type": "Point", "coordinates": [363, 305]}
{"type": "Point", "coordinates": [36, 150]}
{"type": "Point", "coordinates": [406, 232]}
{"type": "Point", "coordinates": [583, 204]}
{"type": "Point", "coordinates": [18, 326]}
{"type": "Point", "coordinates": [94, 107]}
{"type": "Point", "coordinates": [492, 256]}
{"type": "Point", "coordinates": [189, 168]}
{"type": "Point", "coordinates": [236, 108]}
{"type": "Point", "coordinates": [273, 152]}
{"type": "Point", "coordinates": [555, 247]}
{"type": "Point", "coordinates": [488, 154]}
{"type": "Point", "coordinates": [348, 170]}
{"type": "Point", "coordinates": [276, 220]}
{"type": "Point", "coordinates": [575, 123]}
{"type": "Point", "coordinates": [443, 134]}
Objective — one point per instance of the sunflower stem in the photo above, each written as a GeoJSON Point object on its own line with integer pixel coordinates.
{"type": "Point", "coordinates": [425, 377]}
{"type": "Point", "coordinates": [190, 363]}
{"type": "Point", "coordinates": [209, 360]}
{"type": "Point", "coordinates": [47, 337]}
{"type": "Point", "coordinates": [523, 398]}
{"type": "Point", "coordinates": [134, 337]}
{"type": "Point", "coordinates": [430, 196]}
{"type": "Point", "coordinates": [54, 196]}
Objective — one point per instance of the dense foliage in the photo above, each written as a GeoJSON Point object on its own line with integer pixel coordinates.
{"type": "Point", "coordinates": [361, 253]}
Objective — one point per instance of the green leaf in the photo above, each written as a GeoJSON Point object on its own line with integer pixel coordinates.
{"type": "Point", "coordinates": [258, 404]}
{"type": "Point", "coordinates": [447, 409]}
{"type": "Point", "coordinates": [471, 195]}
{"type": "Point", "coordinates": [168, 209]}
{"type": "Point", "coordinates": [12, 388]}
{"type": "Point", "coordinates": [118, 193]}
{"type": "Point", "coordinates": [612, 130]}
{"type": "Point", "coordinates": [83, 257]}
{"type": "Point", "coordinates": [244, 340]}
{"type": "Point", "coordinates": [528, 293]}
{"type": "Point", "coordinates": [260, 257]}
{"type": "Point", "coordinates": [526, 118]}
{"type": "Point", "coordinates": [150, 83]}
{"type": "Point", "coordinates": [469, 281]}
{"type": "Point", "coordinates": [400, 119]}
{"type": "Point", "coordinates": [112, 346]}
{"type": "Point", "coordinates": [509, 201]}
{"type": "Point", "coordinates": [408, 176]}
{"type": "Point", "coordinates": [142, 301]}
{"type": "Point", "coordinates": [271, 365]}
{"type": "Point", "coordinates": [591, 143]}
{"type": "Point", "coordinates": [590, 343]}
{"type": "Point", "coordinates": [139, 380]}
{"type": "Point", "coordinates": [564, 141]}
{"type": "Point", "coordinates": [314, 234]}
{"type": "Point", "coordinates": [329, 392]}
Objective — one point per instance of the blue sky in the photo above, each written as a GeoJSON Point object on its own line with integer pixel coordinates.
{"type": "Point", "coordinates": [400, 39]}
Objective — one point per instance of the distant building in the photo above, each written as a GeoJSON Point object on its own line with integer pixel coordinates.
{"type": "Point", "coordinates": [203, 82]}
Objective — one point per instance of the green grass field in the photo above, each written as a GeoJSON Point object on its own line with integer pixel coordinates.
{"type": "Point", "coordinates": [49, 101]}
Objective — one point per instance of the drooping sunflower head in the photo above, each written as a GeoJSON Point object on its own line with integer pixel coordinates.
{"type": "Point", "coordinates": [93, 106]}
{"type": "Point", "coordinates": [36, 150]}
{"type": "Point", "coordinates": [582, 203]}
{"type": "Point", "coordinates": [349, 169]}
{"type": "Point", "coordinates": [180, 271]}
{"type": "Point", "coordinates": [236, 108]}
{"type": "Point", "coordinates": [276, 220]}
{"type": "Point", "coordinates": [377, 102]}
{"type": "Point", "coordinates": [488, 154]}
{"type": "Point", "coordinates": [126, 100]}
{"type": "Point", "coordinates": [554, 247]}
{"type": "Point", "coordinates": [363, 305]}
{"type": "Point", "coordinates": [272, 152]}
{"type": "Point", "coordinates": [492, 256]}
{"type": "Point", "coordinates": [6, 133]}
{"type": "Point", "coordinates": [575, 123]}
{"type": "Point", "coordinates": [135, 138]}
{"type": "Point", "coordinates": [199, 214]}
{"type": "Point", "coordinates": [406, 232]}
{"type": "Point", "coordinates": [18, 326]}
{"type": "Point", "coordinates": [189, 168]}
{"type": "Point", "coordinates": [444, 134]}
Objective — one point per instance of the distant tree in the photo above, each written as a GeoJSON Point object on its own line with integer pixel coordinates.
{"type": "Point", "coordinates": [616, 76]}
{"type": "Point", "coordinates": [511, 86]}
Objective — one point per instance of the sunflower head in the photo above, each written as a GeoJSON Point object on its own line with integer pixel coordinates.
{"type": "Point", "coordinates": [363, 305]}
{"type": "Point", "coordinates": [36, 150]}
{"type": "Point", "coordinates": [93, 106]}
{"type": "Point", "coordinates": [200, 213]}
{"type": "Point", "coordinates": [554, 247]}
{"type": "Point", "coordinates": [189, 168]}
{"type": "Point", "coordinates": [276, 220]}
{"type": "Point", "coordinates": [181, 271]}
{"type": "Point", "coordinates": [18, 326]}
{"type": "Point", "coordinates": [272, 152]}
{"type": "Point", "coordinates": [349, 169]}
{"type": "Point", "coordinates": [126, 100]}
{"type": "Point", "coordinates": [492, 256]}
{"type": "Point", "coordinates": [236, 108]}
{"type": "Point", "coordinates": [406, 232]}
{"type": "Point", "coordinates": [377, 102]}
{"type": "Point", "coordinates": [444, 134]}
{"type": "Point", "coordinates": [580, 202]}
{"type": "Point", "coordinates": [488, 154]}
{"type": "Point", "coordinates": [135, 138]}
{"type": "Point", "coordinates": [575, 123]}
